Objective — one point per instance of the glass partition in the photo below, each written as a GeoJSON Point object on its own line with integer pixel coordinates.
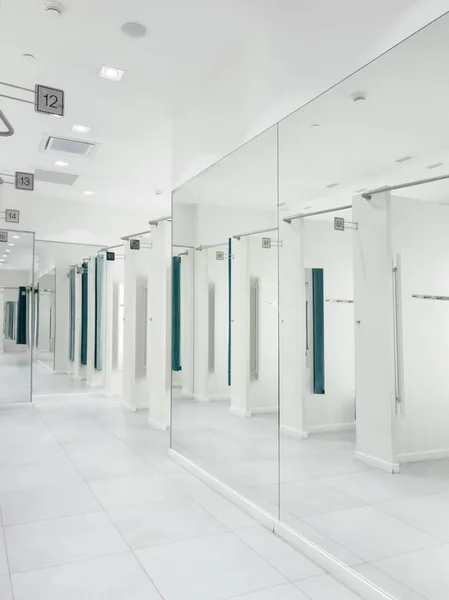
{"type": "Point", "coordinates": [225, 319]}
{"type": "Point", "coordinates": [16, 315]}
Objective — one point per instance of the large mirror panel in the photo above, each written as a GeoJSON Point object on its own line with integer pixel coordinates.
{"type": "Point", "coordinates": [364, 452]}
{"type": "Point", "coordinates": [225, 320]}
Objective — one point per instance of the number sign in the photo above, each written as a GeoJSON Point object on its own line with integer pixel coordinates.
{"type": "Point", "coordinates": [49, 101]}
{"type": "Point", "coordinates": [24, 181]}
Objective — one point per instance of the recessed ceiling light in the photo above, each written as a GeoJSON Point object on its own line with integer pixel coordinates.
{"type": "Point", "coordinates": [81, 128]}
{"type": "Point", "coordinates": [88, 193]}
{"type": "Point", "coordinates": [134, 30]}
{"type": "Point", "coordinates": [61, 163]}
{"type": "Point", "coordinates": [111, 73]}
{"type": "Point", "coordinates": [435, 166]}
{"type": "Point", "coordinates": [2, 260]}
{"type": "Point", "coordinates": [16, 237]}
{"type": "Point", "coordinates": [332, 185]}
{"type": "Point", "coordinates": [5, 256]}
{"type": "Point", "coordinates": [404, 159]}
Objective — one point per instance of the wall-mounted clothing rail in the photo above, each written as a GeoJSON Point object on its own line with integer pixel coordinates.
{"type": "Point", "coordinates": [70, 243]}
{"type": "Point", "coordinates": [338, 301]}
{"type": "Point", "coordinates": [17, 99]}
{"type": "Point", "coordinates": [212, 246]}
{"type": "Point", "coordinates": [317, 212]}
{"type": "Point", "coordinates": [157, 221]}
{"type": "Point", "coordinates": [247, 233]}
{"type": "Point", "coordinates": [425, 297]}
{"type": "Point", "coordinates": [388, 188]}
{"type": "Point", "coordinates": [106, 248]}
{"type": "Point", "coordinates": [134, 235]}
{"type": "Point", "coordinates": [17, 87]}
{"type": "Point", "coordinates": [9, 128]}
{"type": "Point", "coordinates": [182, 246]}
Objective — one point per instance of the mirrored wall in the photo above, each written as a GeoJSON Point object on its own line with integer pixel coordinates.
{"type": "Point", "coordinates": [310, 279]}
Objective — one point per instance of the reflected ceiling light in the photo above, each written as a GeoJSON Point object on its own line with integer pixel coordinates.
{"type": "Point", "coordinates": [404, 159]}
{"type": "Point", "coordinates": [7, 250]}
{"type": "Point", "coordinates": [358, 97]}
{"type": "Point", "coordinates": [81, 128]}
{"type": "Point", "coordinates": [332, 185]}
{"type": "Point", "coordinates": [134, 30]}
{"type": "Point", "coordinates": [2, 260]}
{"type": "Point", "coordinates": [10, 244]}
{"type": "Point", "coordinates": [435, 166]}
{"type": "Point", "coordinates": [111, 73]}
{"type": "Point", "coordinates": [61, 163]}
{"type": "Point", "coordinates": [16, 237]}
{"type": "Point", "coordinates": [5, 256]}
{"type": "Point", "coordinates": [88, 193]}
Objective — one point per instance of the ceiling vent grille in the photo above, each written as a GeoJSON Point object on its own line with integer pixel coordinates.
{"type": "Point", "coordinates": [55, 177]}
{"type": "Point", "coordinates": [68, 146]}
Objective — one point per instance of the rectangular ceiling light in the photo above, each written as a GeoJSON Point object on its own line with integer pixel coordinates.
{"type": "Point", "coordinates": [68, 146]}
{"type": "Point", "coordinates": [55, 177]}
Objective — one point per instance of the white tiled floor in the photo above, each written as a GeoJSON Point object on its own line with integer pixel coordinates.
{"type": "Point", "coordinates": [94, 510]}
{"type": "Point", "coordinates": [393, 529]}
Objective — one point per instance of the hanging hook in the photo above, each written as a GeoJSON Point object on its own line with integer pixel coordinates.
{"type": "Point", "coordinates": [7, 124]}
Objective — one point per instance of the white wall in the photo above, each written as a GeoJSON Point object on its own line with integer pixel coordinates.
{"type": "Point", "coordinates": [419, 233]}
{"type": "Point", "coordinates": [284, 65]}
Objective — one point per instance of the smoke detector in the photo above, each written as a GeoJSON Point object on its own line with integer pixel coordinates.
{"type": "Point", "coordinates": [54, 9]}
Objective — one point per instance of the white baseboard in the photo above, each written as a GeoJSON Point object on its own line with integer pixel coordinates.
{"type": "Point", "coordinates": [239, 412]}
{"type": "Point", "coordinates": [378, 463]}
{"type": "Point", "coordinates": [199, 398]}
{"type": "Point", "coordinates": [292, 432]}
{"type": "Point", "coordinates": [219, 398]}
{"type": "Point", "coordinates": [336, 568]}
{"type": "Point", "coordinates": [427, 455]}
{"type": "Point", "coordinates": [332, 427]}
{"type": "Point", "coordinates": [155, 424]}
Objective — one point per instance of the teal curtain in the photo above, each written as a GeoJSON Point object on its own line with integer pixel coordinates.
{"type": "Point", "coordinates": [22, 316]}
{"type": "Point", "coordinates": [72, 314]}
{"type": "Point", "coordinates": [176, 314]}
{"type": "Point", "coordinates": [318, 330]}
{"type": "Point", "coordinates": [229, 308]}
{"type": "Point", "coordinates": [99, 285]}
{"type": "Point", "coordinates": [84, 312]}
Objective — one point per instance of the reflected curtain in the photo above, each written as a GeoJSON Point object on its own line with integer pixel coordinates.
{"type": "Point", "coordinates": [99, 285]}
{"type": "Point", "coordinates": [9, 318]}
{"type": "Point", "coordinates": [229, 308]}
{"type": "Point", "coordinates": [22, 316]}
{"type": "Point", "coordinates": [72, 314]}
{"type": "Point", "coordinates": [176, 314]}
{"type": "Point", "coordinates": [84, 311]}
{"type": "Point", "coordinates": [318, 330]}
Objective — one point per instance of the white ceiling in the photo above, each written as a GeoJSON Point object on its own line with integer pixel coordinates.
{"type": "Point", "coordinates": [357, 144]}
{"type": "Point", "coordinates": [186, 41]}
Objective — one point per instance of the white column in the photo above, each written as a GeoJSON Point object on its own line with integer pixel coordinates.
{"type": "Point", "coordinates": [113, 375]}
{"type": "Point", "coordinates": [159, 338]}
{"type": "Point", "coordinates": [77, 367]}
{"type": "Point", "coordinates": [240, 341]}
{"type": "Point", "coordinates": [292, 328]}
{"type": "Point", "coordinates": [62, 321]}
{"type": "Point", "coordinates": [201, 366]}
{"type": "Point", "coordinates": [187, 321]}
{"type": "Point", "coordinates": [374, 333]}
{"type": "Point", "coordinates": [90, 367]}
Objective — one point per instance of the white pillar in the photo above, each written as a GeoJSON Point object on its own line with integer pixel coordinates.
{"type": "Point", "coordinates": [240, 339]}
{"type": "Point", "coordinates": [62, 321]}
{"type": "Point", "coordinates": [159, 339]}
{"type": "Point", "coordinates": [374, 333]}
{"type": "Point", "coordinates": [113, 374]}
{"type": "Point", "coordinates": [2, 317]}
{"type": "Point", "coordinates": [187, 321]}
{"type": "Point", "coordinates": [90, 367]}
{"type": "Point", "coordinates": [76, 365]}
{"type": "Point", "coordinates": [292, 328]}
{"type": "Point", "coordinates": [135, 385]}
{"type": "Point", "coordinates": [201, 346]}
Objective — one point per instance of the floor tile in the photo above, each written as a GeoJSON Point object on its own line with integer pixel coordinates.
{"type": "Point", "coordinates": [223, 510]}
{"type": "Point", "coordinates": [132, 491]}
{"type": "Point", "coordinates": [386, 583]}
{"type": "Point", "coordinates": [426, 571]}
{"type": "Point", "coordinates": [116, 577]}
{"type": "Point", "coordinates": [60, 541]}
{"type": "Point", "coordinates": [324, 587]}
{"type": "Point", "coordinates": [163, 522]}
{"type": "Point", "coordinates": [310, 498]}
{"type": "Point", "coordinates": [278, 553]}
{"type": "Point", "coordinates": [209, 568]}
{"type": "Point", "coordinates": [45, 473]}
{"type": "Point", "coordinates": [37, 504]}
{"type": "Point", "coordinates": [429, 513]}
{"type": "Point", "coordinates": [371, 534]}
{"type": "Point", "coordinates": [4, 569]}
{"type": "Point", "coordinates": [279, 592]}
{"type": "Point", "coordinates": [5, 588]}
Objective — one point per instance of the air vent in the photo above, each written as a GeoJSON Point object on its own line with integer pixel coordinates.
{"type": "Point", "coordinates": [55, 177]}
{"type": "Point", "coordinates": [68, 146]}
